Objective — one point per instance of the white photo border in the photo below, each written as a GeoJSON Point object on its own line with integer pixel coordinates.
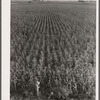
{"type": "Point", "coordinates": [5, 49]}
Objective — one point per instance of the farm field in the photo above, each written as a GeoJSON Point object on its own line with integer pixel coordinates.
{"type": "Point", "coordinates": [54, 43]}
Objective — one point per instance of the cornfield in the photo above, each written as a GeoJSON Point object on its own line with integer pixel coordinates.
{"type": "Point", "coordinates": [55, 43]}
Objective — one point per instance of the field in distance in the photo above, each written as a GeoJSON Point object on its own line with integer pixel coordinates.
{"type": "Point", "coordinates": [54, 43]}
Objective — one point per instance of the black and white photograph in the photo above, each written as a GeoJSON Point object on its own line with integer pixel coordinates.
{"type": "Point", "coordinates": [53, 50]}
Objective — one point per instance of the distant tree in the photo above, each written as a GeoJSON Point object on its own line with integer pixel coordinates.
{"type": "Point", "coordinates": [29, 1]}
{"type": "Point", "coordinates": [36, 0]}
{"type": "Point", "coordinates": [81, 1]}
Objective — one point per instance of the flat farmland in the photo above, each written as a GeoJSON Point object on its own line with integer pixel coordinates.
{"type": "Point", "coordinates": [54, 43]}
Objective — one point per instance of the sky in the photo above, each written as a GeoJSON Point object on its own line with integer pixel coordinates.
{"type": "Point", "coordinates": [52, 0]}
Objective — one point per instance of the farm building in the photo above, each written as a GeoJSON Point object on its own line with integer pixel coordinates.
{"type": "Point", "coordinates": [83, 0]}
